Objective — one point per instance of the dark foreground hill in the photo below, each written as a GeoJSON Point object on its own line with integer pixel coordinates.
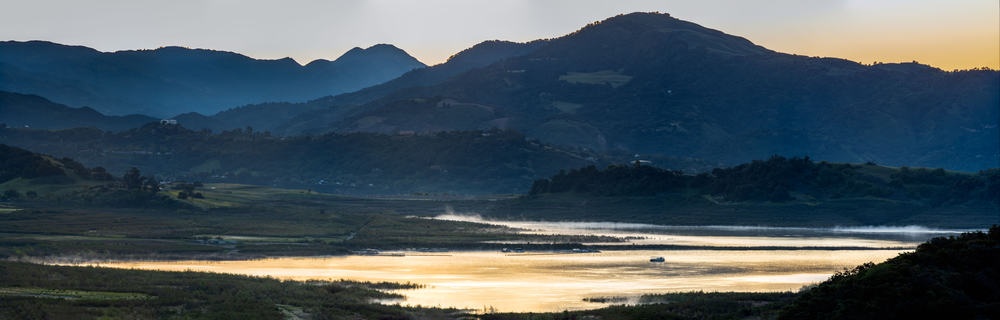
{"type": "Point", "coordinates": [173, 80]}
{"type": "Point", "coordinates": [652, 84]}
{"type": "Point", "coordinates": [946, 278]}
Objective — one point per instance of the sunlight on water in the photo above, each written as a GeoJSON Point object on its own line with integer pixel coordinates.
{"type": "Point", "coordinates": [552, 282]}
{"type": "Point", "coordinates": [777, 259]}
{"type": "Point", "coordinates": [538, 281]}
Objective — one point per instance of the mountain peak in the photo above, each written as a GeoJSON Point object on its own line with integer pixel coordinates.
{"type": "Point", "coordinates": [639, 27]}
{"type": "Point", "coordinates": [353, 51]}
{"type": "Point", "coordinates": [378, 49]}
{"type": "Point", "coordinates": [379, 52]}
{"type": "Point", "coordinates": [176, 79]}
{"type": "Point", "coordinates": [642, 17]}
{"type": "Point", "coordinates": [384, 47]}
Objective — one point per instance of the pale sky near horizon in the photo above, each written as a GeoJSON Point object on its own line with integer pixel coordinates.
{"type": "Point", "coordinates": [950, 34]}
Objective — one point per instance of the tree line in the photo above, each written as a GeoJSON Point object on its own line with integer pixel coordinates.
{"type": "Point", "coordinates": [779, 179]}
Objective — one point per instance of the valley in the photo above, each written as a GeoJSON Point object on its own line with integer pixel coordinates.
{"type": "Point", "coordinates": [640, 166]}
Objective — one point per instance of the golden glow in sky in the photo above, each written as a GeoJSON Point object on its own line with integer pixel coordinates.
{"type": "Point", "coordinates": [950, 34]}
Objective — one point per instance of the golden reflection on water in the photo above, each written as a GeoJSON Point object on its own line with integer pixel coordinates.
{"type": "Point", "coordinates": [538, 281]}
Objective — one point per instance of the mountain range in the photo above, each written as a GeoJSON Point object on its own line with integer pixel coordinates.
{"type": "Point", "coordinates": [651, 84]}
{"type": "Point", "coordinates": [171, 80]}
{"type": "Point", "coordinates": [298, 118]}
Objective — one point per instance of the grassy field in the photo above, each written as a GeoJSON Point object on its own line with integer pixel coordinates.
{"type": "Point", "coordinates": [608, 77]}
{"type": "Point", "coordinates": [14, 292]}
{"type": "Point", "coordinates": [30, 291]}
{"type": "Point", "coordinates": [239, 222]}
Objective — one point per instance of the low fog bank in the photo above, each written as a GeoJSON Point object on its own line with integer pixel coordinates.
{"type": "Point", "coordinates": [450, 215]}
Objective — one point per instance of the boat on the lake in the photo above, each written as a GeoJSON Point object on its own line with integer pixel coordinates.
{"type": "Point", "coordinates": [366, 252]}
{"type": "Point", "coordinates": [657, 259]}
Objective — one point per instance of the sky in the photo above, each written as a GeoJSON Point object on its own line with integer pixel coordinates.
{"type": "Point", "coordinates": [949, 34]}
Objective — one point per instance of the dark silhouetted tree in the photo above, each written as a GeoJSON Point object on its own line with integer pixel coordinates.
{"type": "Point", "coordinates": [132, 179]}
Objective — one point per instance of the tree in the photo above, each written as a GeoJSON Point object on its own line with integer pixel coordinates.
{"type": "Point", "coordinates": [150, 184]}
{"type": "Point", "coordinates": [11, 194]}
{"type": "Point", "coordinates": [132, 179]}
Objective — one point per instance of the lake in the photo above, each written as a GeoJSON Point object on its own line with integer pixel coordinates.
{"type": "Point", "coordinates": [720, 258]}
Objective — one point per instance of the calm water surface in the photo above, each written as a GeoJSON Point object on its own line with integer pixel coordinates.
{"type": "Point", "coordinates": [550, 281]}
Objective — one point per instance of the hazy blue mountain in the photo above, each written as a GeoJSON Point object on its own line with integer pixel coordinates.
{"type": "Point", "coordinates": [652, 84]}
{"type": "Point", "coordinates": [174, 80]}
{"type": "Point", "coordinates": [20, 110]}
{"type": "Point", "coordinates": [323, 111]}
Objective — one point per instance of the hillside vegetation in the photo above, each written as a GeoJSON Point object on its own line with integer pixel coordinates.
{"type": "Point", "coordinates": [778, 192]}
{"type": "Point", "coordinates": [780, 179]}
{"type": "Point", "coordinates": [946, 278]}
{"type": "Point", "coordinates": [37, 178]}
{"type": "Point", "coordinates": [466, 162]}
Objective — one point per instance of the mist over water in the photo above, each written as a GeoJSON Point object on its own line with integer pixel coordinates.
{"type": "Point", "coordinates": [915, 230]}
{"type": "Point", "coordinates": [726, 235]}
{"type": "Point", "coordinates": [451, 216]}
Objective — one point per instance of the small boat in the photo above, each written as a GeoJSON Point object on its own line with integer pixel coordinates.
{"type": "Point", "coordinates": [366, 252]}
{"type": "Point", "coordinates": [657, 259]}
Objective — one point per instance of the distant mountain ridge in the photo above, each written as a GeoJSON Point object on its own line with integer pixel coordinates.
{"type": "Point", "coordinates": [31, 111]}
{"type": "Point", "coordinates": [652, 84]}
{"type": "Point", "coordinates": [172, 80]}
{"type": "Point", "coordinates": [295, 118]}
